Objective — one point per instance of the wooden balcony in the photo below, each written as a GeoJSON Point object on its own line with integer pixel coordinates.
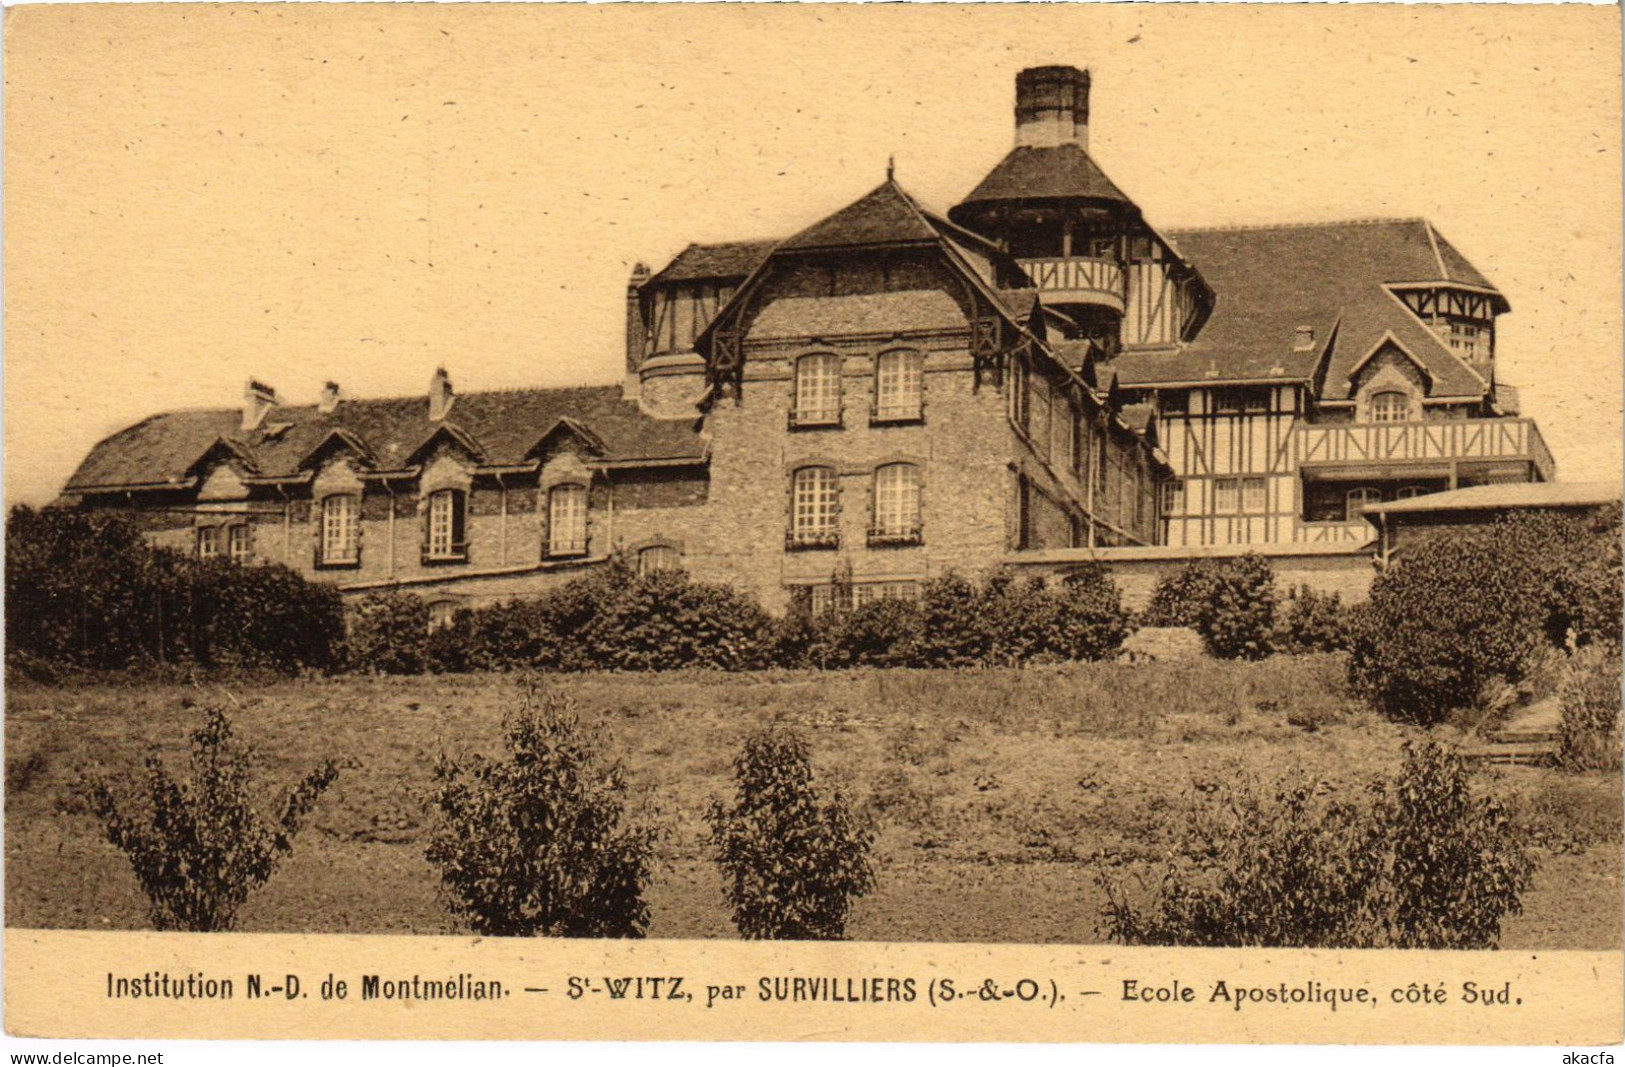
{"type": "Point", "coordinates": [1442, 444]}
{"type": "Point", "coordinates": [1078, 280]}
{"type": "Point", "coordinates": [1352, 534]}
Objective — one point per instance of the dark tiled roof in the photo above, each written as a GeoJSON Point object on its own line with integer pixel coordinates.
{"type": "Point", "coordinates": [1064, 172]}
{"type": "Point", "coordinates": [829, 316]}
{"type": "Point", "coordinates": [733, 259]}
{"type": "Point", "coordinates": [884, 215]}
{"type": "Point", "coordinates": [504, 424]}
{"type": "Point", "coordinates": [1513, 495]}
{"type": "Point", "coordinates": [1271, 280]}
{"type": "Point", "coordinates": [1021, 302]}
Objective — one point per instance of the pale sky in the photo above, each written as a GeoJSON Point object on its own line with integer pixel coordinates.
{"type": "Point", "coordinates": [195, 195]}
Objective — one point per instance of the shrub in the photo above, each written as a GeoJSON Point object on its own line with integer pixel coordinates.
{"type": "Point", "coordinates": [1230, 602]}
{"type": "Point", "coordinates": [85, 590]}
{"type": "Point", "coordinates": [1310, 621]}
{"type": "Point", "coordinates": [881, 633]}
{"type": "Point", "coordinates": [664, 620]}
{"type": "Point", "coordinates": [1590, 694]}
{"type": "Point", "coordinates": [1576, 562]}
{"type": "Point", "coordinates": [200, 847]}
{"type": "Point", "coordinates": [1444, 620]}
{"type": "Point", "coordinates": [792, 863]}
{"type": "Point", "coordinates": [534, 843]}
{"type": "Point", "coordinates": [1285, 871]}
{"type": "Point", "coordinates": [1456, 864]}
{"type": "Point", "coordinates": [388, 634]}
{"type": "Point", "coordinates": [954, 628]}
{"type": "Point", "coordinates": [1092, 622]}
{"type": "Point", "coordinates": [1420, 863]}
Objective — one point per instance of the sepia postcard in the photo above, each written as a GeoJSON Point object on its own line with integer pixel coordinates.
{"type": "Point", "coordinates": [872, 523]}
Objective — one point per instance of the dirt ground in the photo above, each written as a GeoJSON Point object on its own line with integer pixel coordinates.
{"type": "Point", "coordinates": [998, 795]}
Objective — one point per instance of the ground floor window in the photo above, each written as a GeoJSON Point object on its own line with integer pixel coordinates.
{"type": "Point", "coordinates": [844, 596]}
{"type": "Point", "coordinates": [441, 613]}
{"type": "Point", "coordinates": [230, 540]}
{"type": "Point", "coordinates": [658, 558]}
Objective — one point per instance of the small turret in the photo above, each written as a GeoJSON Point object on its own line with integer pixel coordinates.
{"type": "Point", "coordinates": [1081, 240]}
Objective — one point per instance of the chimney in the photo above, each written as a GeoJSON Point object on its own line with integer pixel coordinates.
{"type": "Point", "coordinates": [1303, 339]}
{"type": "Point", "coordinates": [1052, 107]}
{"type": "Point", "coordinates": [258, 400]}
{"type": "Point", "coordinates": [330, 399]}
{"type": "Point", "coordinates": [634, 330]}
{"type": "Point", "coordinates": [440, 397]}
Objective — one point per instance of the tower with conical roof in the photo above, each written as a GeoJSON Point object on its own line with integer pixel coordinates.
{"type": "Point", "coordinates": [1082, 241]}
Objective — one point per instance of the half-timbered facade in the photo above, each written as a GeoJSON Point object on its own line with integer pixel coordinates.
{"type": "Point", "coordinates": [891, 394]}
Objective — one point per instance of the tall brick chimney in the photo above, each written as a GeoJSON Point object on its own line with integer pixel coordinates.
{"type": "Point", "coordinates": [1052, 107]}
{"type": "Point", "coordinates": [440, 396]}
{"type": "Point", "coordinates": [329, 402]}
{"type": "Point", "coordinates": [258, 400]}
{"type": "Point", "coordinates": [634, 330]}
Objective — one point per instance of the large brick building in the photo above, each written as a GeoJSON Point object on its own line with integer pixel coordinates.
{"type": "Point", "coordinates": [1038, 376]}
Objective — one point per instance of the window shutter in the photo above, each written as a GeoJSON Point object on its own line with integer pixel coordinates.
{"type": "Point", "coordinates": [459, 509]}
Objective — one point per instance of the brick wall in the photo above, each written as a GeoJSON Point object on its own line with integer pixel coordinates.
{"type": "Point", "coordinates": [962, 447]}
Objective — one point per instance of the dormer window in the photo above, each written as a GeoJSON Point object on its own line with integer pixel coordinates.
{"type": "Point", "coordinates": [1390, 406]}
{"type": "Point", "coordinates": [567, 521]}
{"type": "Point", "coordinates": [444, 537]}
{"type": "Point", "coordinates": [339, 543]}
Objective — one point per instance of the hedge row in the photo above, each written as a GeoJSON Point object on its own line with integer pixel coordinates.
{"type": "Point", "coordinates": [614, 619]}
{"type": "Point", "coordinates": [84, 590]}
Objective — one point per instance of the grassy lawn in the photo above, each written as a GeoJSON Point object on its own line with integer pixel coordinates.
{"type": "Point", "coordinates": [998, 794]}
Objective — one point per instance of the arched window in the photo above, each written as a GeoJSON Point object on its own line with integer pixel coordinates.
{"type": "Point", "coordinates": [897, 505]}
{"type": "Point", "coordinates": [444, 537]}
{"type": "Point", "coordinates": [340, 543]}
{"type": "Point", "coordinates": [658, 558]}
{"type": "Point", "coordinates": [814, 508]}
{"type": "Point", "coordinates": [567, 520]}
{"type": "Point", "coordinates": [898, 387]}
{"type": "Point", "coordinates": [818, 391]}
{"type": "Point", "coordinates": [1409, 491]}
{"type": "Point", "coordinates": [1390, 406]}
{"type": "Point", "coordinates": [1358, 500]}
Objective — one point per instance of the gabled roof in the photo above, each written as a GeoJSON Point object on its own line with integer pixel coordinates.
{"type": "Point", "coordinates": [1063, 172]}
{"type": "Point", "coordinates": [884, 215]}
{"type": "Point", "coordinates": [506, 424]}
{"type": "Point", "coordinates": [859, 313]}
{"type": "Point", "coordinates": [733, 259]}
{"type": "Point", "coordinates": [1332, 277]}
{"type": "Point", "coordinates": [1389, 341]}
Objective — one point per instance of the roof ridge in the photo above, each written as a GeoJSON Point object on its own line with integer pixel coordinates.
{"type": "Point", "coordinates": [504, 390]}
{"type": "Point", "coordinates": [1371, 220]}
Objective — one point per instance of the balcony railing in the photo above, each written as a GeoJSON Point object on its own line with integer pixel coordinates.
{"type": "Point", "coordinates": [900, 534]}
{"type": "Point", "coordinates": [566, 547]}
{"type": "Point", "coordinates": [1355, 533]}
{"type": "Point", "coordinates": [457, 552]}
{"type": "Point", "coordinates": [819, 538]}
{"type": "Point", "coordinates": [1078, 280]}
{"type": "Point", "coordinates": [1442, 441]}
{"type": "Point", "coordinates": [906, 412]}
{"type": "Point", "coordinates": [801, 418]}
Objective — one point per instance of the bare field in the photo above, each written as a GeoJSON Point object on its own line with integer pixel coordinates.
{"type": "Point", "coordinates": [998, 794]}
